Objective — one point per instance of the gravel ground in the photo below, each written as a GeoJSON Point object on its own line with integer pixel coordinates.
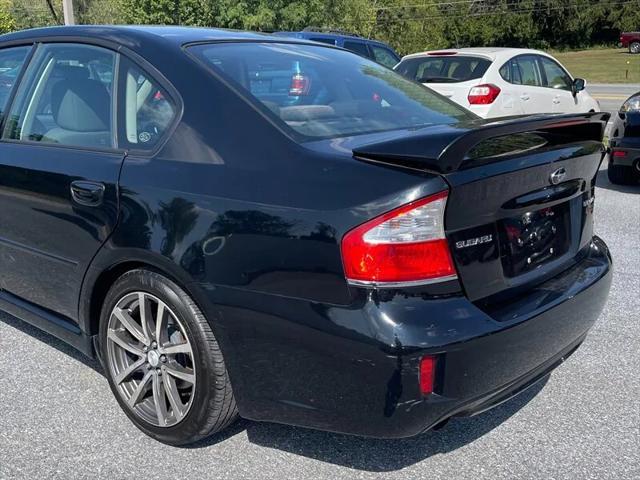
{"type": "Point", "coordinates": [59, 420]}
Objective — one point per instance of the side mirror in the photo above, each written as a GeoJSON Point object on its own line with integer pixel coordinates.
{"type": "Point", "coordinates": [579, 84]}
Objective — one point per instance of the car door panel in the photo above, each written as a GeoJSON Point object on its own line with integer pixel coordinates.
{"type": "Point", "coordinates": [48, 237]}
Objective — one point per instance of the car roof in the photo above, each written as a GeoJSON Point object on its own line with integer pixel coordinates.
{"type": "Point", "coordinates": [492, 53]}
{"type": "Point", "coordinates": [133, 34]}
{"type": "Point", "coordinates": [333, 35]}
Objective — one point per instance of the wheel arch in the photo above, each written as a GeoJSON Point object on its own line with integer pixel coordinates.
{"type": "Point", "coordinates": [110, 266]}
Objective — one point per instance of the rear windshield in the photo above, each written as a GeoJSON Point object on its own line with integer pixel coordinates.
{"type": "Point", "coordinates": [443, 69]}
{"type": "Point", "coordinates": [323, 92]}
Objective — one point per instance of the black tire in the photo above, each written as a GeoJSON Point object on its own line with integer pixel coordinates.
{"type": "Point", "coordinates": [634, 47]}
{"type": "Point", "coordinates": [621, 175]}
{"type": "Point", "coordinates": [213, 406]}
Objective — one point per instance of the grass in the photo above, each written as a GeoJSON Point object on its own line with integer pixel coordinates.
{"type": "Point", "coordinates": [611, 65]}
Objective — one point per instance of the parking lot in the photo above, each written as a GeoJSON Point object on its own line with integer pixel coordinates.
{"type": "Point", "coordinates": [60, 420]}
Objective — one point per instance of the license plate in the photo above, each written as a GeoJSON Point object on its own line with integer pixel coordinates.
{"type": "Point", "coordinates": [534, 238]}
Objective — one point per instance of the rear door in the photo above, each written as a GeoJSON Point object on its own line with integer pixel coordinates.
{"type": "Point", "coordinates": [559, 83]}
{"type": "Point", "coordinates": [528, 82]}
{"type": "Point", "coordinates": [58, 174]}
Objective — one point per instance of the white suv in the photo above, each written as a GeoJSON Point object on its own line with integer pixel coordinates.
{"type": "Point", "coordinates": [497, 82]}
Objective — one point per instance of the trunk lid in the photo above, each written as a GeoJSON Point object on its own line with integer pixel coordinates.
{"type": "Point", "coordinates": [457, 91]}
{"type": "Point", "coordinates": [521, 194]}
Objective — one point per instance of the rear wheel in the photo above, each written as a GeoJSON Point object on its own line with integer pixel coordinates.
{"type": "Point", "coordinates": [162, 360]}
{"type": "Point", "coordinates": [621, 175]}
{"type": "Point", "coordinates": [634, 47]}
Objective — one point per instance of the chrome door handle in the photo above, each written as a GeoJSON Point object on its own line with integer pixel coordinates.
{"type": "Point", "coordinates": [87, 193]}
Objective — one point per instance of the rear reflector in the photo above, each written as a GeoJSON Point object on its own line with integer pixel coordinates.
{"type": "Point", "coordinates": [403, 247]}
{"type": "Point", "coordinates": [427, 374]}
{"type": "Point", "coordinates": [483, 94]}
{"type": "Point", "coordinates": [619, 153]}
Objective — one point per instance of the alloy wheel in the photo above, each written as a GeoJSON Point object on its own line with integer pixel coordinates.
{"type": "Point", "coordinates": [150, 359]}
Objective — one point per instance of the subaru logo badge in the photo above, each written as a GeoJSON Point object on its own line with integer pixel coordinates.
{"type": "Point", "coordinates": [556, 177]}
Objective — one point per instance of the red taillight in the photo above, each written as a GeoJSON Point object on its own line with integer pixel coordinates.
{"type": "Point", "coordinates": [483, 94]}
{"type": "Point", "coordinates": [619, 153]}
{"type": "Point", "coordinates": [300, 85]}
{"type": "Point", "coordinates": [404, 246]}
{"type": "Point", "coordinates": [427, 374]}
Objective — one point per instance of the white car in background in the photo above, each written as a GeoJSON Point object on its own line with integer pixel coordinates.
{"type": "Point", "coordinates": [498, 82]}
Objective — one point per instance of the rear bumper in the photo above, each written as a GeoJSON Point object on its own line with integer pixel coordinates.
{"type": "Point", "coordinates": [355, 369]}
{"type": "Point", "coordinates": [631, 158]}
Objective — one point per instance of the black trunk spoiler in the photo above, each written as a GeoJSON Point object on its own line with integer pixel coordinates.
{"type": "Point", "coordinates": [445, 148]}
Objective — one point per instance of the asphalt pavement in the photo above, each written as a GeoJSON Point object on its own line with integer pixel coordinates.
{"type": "Point", "coordinates": [611, 95]}
{"type": "Point", "coordinates": [58, 418]}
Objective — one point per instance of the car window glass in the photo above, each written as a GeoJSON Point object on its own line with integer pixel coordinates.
{"type": "Point", "coordinates": [529, 73]}
{"type": "Point", "coordinates": [357, 47]}
{"type": "Point", "coordinates": [148, 109]}
{"type": "Point", "coordinates": [11, 62]}
{"type": "Point", "coordinates": [444, 69]}
{"type": "Point", "coordinates": [329, 41]}
{"type": "Point", "coordinates": [299, 86]}
{"type": "Point", "coordinates": [555, 75]}
{"type": "Point", "coordinates": [65, 97]}
{"type": "Point", "coordinates": [383, 56]}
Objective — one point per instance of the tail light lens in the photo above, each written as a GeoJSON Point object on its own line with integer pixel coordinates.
{"type": "Point", "coordinates": [405, 246]}
{"type": "Point", "coordinates": [300, 85]}
{"type": "Point", "coordinates": [483, 94]}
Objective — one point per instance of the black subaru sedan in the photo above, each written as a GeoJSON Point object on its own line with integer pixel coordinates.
{"type": "Point", "coordinates": [244, 225]}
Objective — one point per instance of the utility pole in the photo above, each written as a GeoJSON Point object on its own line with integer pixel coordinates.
{"type": "Point", "coordinates": [67, 9]}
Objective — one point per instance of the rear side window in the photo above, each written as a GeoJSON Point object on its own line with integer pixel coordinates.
{"type": "Point", "coordinates": [528, 71]}
{"type": "Point", "coordinates": [298, 85]}
{"type": "Point", "coordinates": [66, 97]}
{"type": "Point", "coordinates": [357, 47]}
{"type": "Point", "coordinates": [383, 56]}
{"type": "Point", "coordinates": [147, 111]}
{"type": "Point", "coordinates": [328, 41]}
{"type": "Point", "coordinates": [11, 62]}
{"type": "Point", "coordinates": [444, 69]}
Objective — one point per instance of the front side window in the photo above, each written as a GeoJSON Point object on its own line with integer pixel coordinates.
{"type": "Point", "coordinates": [148, 109]}
{"type": "Point", "coordinates": [384, 57]}
{"type": "Point", "coordinates": [11, 62]}
{"type": "Point", "coordinates": [66, 97]}
{"type": "Point", "coordinates": [299, 85]}
{"type": "Point", "coordinates": [555, 75]}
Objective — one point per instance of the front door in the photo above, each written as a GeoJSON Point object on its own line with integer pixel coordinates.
{"type": "Point", "coordinates": [58, 174]}
{"type": "Point", "coordinates": [559, 83]}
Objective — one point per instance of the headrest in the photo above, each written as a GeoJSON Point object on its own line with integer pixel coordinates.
{"type": "Point", "coordinates": [79, 103]}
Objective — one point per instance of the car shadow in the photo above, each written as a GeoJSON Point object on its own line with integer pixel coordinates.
{"type": "Point", "coordinates": [375, 455]}
{"type": "Point", "coordinates": [51, 341]}
{"type": "Point", "coordinates": [367, 454]}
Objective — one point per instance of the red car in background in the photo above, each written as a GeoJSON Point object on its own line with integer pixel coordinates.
{"type": "Point", "coordinates": [630, 40]}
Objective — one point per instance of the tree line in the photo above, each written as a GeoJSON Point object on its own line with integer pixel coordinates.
{"type": "Point", "coordinates": [408, 25]}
